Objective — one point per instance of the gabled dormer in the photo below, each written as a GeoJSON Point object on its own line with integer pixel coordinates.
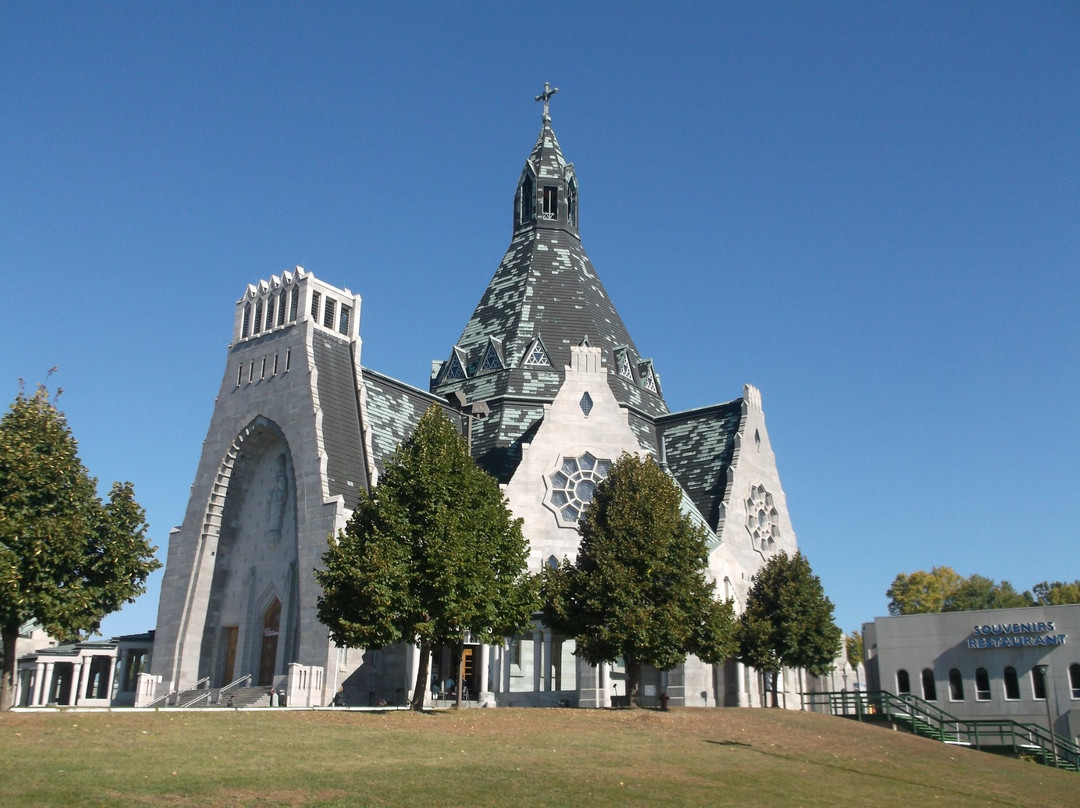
{"type": "Point", "coordinates": [536, 355]}
{"type": "Point", "coordinates": [547, 191]}
{"type": "Point", "coordinates": [493, 356]}
{"type": "Point", "coordinates": [454, 368]}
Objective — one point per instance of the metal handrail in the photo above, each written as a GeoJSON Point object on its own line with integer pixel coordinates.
{"type": "Point", "coordinates": [232, 684]}
{"type": "Point", "coordinates": [164, 698]}
{"type": "Point", "coordinates": [1056, 751]}
{"type": "Point", "coordinates": [205, 696]}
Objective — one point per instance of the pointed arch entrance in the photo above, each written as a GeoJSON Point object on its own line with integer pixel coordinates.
{"type": "Point", "coordinates": [252, 613]}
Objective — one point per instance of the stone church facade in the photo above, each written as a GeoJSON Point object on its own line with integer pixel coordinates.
{"type": "Point", "coordinates": [548, 381]}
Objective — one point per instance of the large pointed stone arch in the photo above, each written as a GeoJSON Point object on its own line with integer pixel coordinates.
{"type": "Point", "coordinates": [249, 546]}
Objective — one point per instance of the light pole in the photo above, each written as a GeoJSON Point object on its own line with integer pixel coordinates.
{"type": "Point", "coordinates": [478, 409]}
{"type": "Point", "coordinates": [1049, 721]}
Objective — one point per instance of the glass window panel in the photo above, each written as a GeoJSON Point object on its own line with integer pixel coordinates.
{"type": "Point", "coordinates": [1038, 683]}
{"type": "Point", "coordinates": [1012, 684]}
{"type": "Point", "coordinates": [929, 686]}
{"type": "Point", "coordinates": [956, 685]}
{"type": "Point", "coordinates": [903, 683]}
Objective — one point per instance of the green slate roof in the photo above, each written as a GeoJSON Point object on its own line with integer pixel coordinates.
{"type": "Point", "coordinates": [698, 447]}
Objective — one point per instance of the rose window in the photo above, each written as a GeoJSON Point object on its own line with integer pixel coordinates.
{"type": "Point", "coordinates": [572, 487]}
{"type": "Point", "coordinates": [762, 519]}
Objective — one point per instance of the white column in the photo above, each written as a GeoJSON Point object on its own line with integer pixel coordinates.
{"type": "Point", "coordinates": [412, 665]}
{"type": "Point", "coordinates": [122, 660]}
{"type": "Point", "coordinates": [547, 659]}
{"type": "Point", "coordinates": [78, 679]}
{"type": "Point", "coordinates": [36, 693]}
{"type": "Point", "coordinates": [506, 661]}
{"type": "Point", "coordinates": [46, 683]}
{"type": "Point", "coordinates": [483, 689]}
{"type": "Point", "coordinates": [538, 660]}
{"type": "Point", "coordinates": [742, 697]}
{"type": "Point", "coordinates": [495, 655]}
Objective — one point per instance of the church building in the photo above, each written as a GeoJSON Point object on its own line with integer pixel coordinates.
{"type": "Point", "coordinates": [552, 388]}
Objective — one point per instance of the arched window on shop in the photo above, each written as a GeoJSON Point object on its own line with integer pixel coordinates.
{"type": "Point", "coordinates": [903, 684]}
{"type": "Point", "coordinates": [1074, 680]}
{"type": "Point", "coordinates": [956, 685]}
{"type": "Point", "coordinates": [1038, 683]}
{"type": "Point", "coordinates": [982, 685]}
{"type": "Point", "coordinates": [1012, 684]}
{"type": "Point", "coordinates": [929, 686]}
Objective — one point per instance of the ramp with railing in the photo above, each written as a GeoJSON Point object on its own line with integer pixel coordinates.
{"type": "Point", "coordinates": [930, 721]}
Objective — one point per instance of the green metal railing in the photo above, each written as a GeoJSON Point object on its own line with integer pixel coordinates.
{"type": "Point", "coordinates": [930, 721]}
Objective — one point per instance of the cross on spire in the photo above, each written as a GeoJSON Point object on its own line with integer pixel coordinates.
{"type": "Point", "coordinates": [546, 97]}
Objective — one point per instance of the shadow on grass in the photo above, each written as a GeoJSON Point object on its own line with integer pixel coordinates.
{"type": "Point", "coordinates": [937, 788]}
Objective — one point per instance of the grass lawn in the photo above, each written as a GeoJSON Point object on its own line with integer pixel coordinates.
{"type": "Point", "coordinates": [522, 757]}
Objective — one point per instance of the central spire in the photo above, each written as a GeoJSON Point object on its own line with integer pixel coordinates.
{"type": "Point", "coordinates": [544, 301]}
{"type": "Point", "coordinates": [546, 97]}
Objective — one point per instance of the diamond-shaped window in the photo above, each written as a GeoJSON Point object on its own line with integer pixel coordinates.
{"type": "Point", "coordinates": [586, 403]}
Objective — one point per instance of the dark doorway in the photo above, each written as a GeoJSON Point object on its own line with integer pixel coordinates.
{"type": "Point", "coordinates": [63, 675]}
{"type": "Point", "coordinates": [268, 657]}
{"type": "Point", "coordinates": [228, 673]}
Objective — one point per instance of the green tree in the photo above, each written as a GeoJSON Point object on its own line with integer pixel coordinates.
{"type": "Point", "coordinates": [429, 553]}
{"type": "Point", "coordinates": [1057, 593]}
{"type": "Point", "coordinates": [943, 590]}
{"type": "Point", "coordinates": [854, 648]}
{"type": "Point", "coordinates": [638, 589]}
{"type": "Point", "coordinates": [67, 558]}
{"type": "Point", "coordinates": [980, 592]}
{"type": "Point", "coordinates": [922, 592]}
{"type": "Point", "coordinates": [788, 620]}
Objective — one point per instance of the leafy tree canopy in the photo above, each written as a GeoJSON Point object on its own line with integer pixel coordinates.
{"type": "Point", "coordinates": [922, 592]}
{"type": "Point", "coordinates": [638, 589]}
{"type": "Point", "coordinates": [943, 590]}
{"type": "Point", "coordinates": [67, 558]}
{"type": "Point", "coordinates": [1056, 593]}
{"type": "Point", "coordinates": [854, 648]}
{"type": "Point", "coordinates": [788, 620]}
{"type": "Point", "coordinates": [429, 553]}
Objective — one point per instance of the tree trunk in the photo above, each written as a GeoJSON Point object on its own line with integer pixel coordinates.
{"type": "Point", "coordinates": [11, 664]}
{"type": "Point", "coordinates": [633, 676]}
{"type": "Point", "coordinates": [422, 674]}
{"type": "Point", "coordinates": [775, 684]}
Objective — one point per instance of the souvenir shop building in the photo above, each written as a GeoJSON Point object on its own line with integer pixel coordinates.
{"type": "Point", "coordinates": [1000, 663]}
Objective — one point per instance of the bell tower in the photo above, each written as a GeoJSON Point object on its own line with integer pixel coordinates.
{"type": "Point", "coordinates": [547, 192]}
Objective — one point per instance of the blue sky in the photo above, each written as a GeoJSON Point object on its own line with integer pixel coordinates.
{"type": "Point", "coordinates": [870, 211]}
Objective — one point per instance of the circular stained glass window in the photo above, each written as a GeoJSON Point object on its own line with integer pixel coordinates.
{"type": "Point", "coordinates": [572, 487]}
{"type": "Point", "coordinates": [762, 519]}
